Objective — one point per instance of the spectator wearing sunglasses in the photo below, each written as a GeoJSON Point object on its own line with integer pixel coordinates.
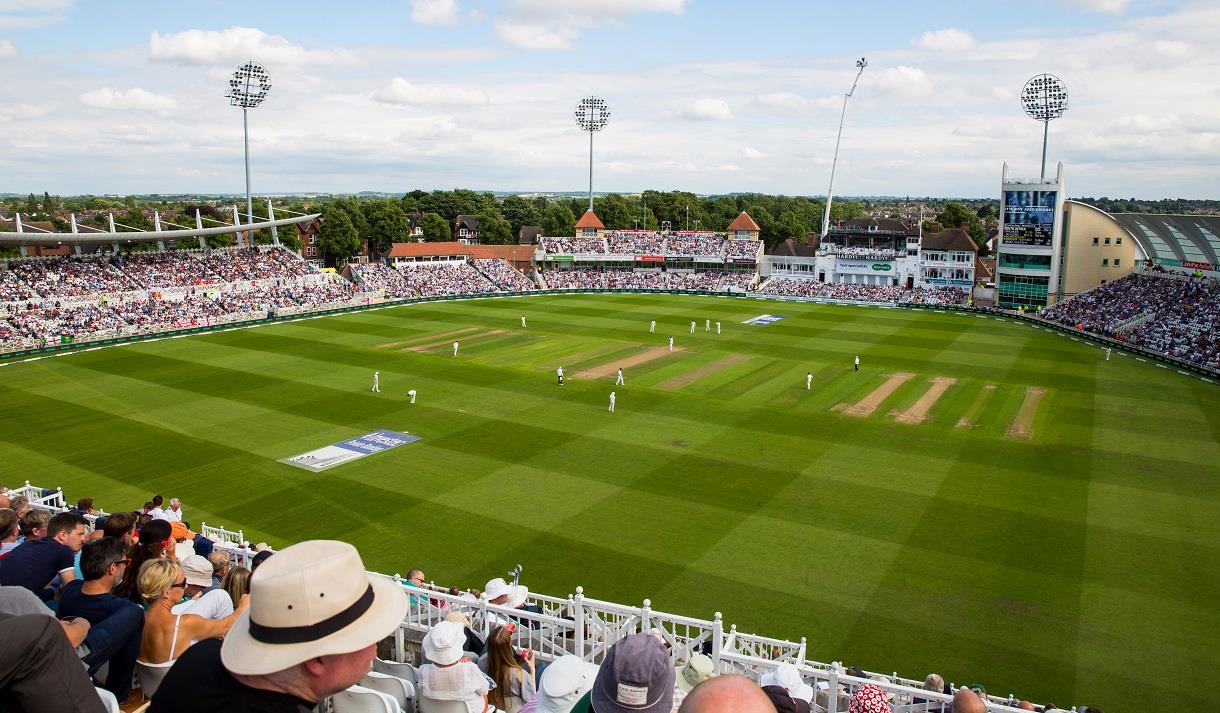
{"type": "Point", "coordinates": [116, 624]}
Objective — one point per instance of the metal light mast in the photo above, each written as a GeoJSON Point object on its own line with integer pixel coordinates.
{"type": "Point", "coordinates": [1043, 98]}
{"type": "Point", "coordinates": [592, 115]}
{"type": "Point", "coordinates": [860, 64]}
{"type": "Point", "coordinates": [247, 89]}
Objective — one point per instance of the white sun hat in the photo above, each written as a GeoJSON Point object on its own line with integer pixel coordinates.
{"type": "Point", "coordinates": [312, 599]}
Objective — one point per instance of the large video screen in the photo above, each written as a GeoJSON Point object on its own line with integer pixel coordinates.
{"type": "Point", "coordinates": [1029, 217]}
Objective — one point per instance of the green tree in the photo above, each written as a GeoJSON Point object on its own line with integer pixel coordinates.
{"type": "Point", "coordinates": [387, 224]}
{"type": "Point", "coordinates": [31, 204]}
{"type": "Point", "coordinates": [558, 221]}
{"type": "Point", "coordinates": [338, 238]}
{"type": "Point", "coordinates": [790, 225]}
{"type": "Point", "coordinates": [957, 215]}
{"type": "Point", "coordinates": [767, 231]}
{"type": "Point", "coordinates": [493, 229]}
{"type": "Point", "coordinates": [436, 229]}
{"type": "Point", "coordinates": [615, 212]}
{"type": "Point", "coordinates": [518, 212]}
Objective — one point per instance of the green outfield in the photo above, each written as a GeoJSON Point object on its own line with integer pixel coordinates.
{"type": "Point", "coordinates": [985, 500]}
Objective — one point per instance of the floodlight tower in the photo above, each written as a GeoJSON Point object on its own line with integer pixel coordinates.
{"type": "Point", "coordinates": [1044, 97]}
{"type": "Point", "coordinates": [860, 65]}
{"type": "Point", "coordinates": [247, 89]}
{"type": "Point", "coordinates": [592, 115]}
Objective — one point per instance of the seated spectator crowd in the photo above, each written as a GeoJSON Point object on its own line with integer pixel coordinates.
{"type": "Point", "coordinates": [1175, 315]}
{"type": "Point", "coordinates": [939, 295]}
{"type": "Point", "coordinates": [61, 299]}
{"type": "Point", "coordinates": [847, 291]}
{"type": "Point", "coordinates": [625, 279]}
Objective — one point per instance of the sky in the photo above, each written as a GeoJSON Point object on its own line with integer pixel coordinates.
{"type": "Point", "coordinates": [708, 96]}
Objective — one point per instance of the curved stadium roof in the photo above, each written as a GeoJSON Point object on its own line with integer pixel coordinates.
{"type": "Point", "coordinates": [1183, 238]}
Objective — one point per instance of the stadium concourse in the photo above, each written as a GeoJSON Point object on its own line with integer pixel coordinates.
{"type": "Point", "coordinates": [541, 652]}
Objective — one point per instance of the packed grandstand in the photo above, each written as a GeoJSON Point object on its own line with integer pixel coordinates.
{"type": "Point", "coordinates": [160, 546]}
{"type": "Point", "coordinates": [71, 299]}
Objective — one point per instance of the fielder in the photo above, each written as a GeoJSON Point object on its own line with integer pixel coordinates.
{"type": "Point", "coordinates": [559, 374]}
{"type": "Point", "coordinates": [692, 326]}
{"type": "Point", "coordinates": [523, 321]}
{"type": "Point", "coordinates": [376, 382]}
{"type": "Point", "coordinates": [1107, 353]}
{"type": "Point", "coordinates": [856, 363]}
{"type": "Point", "coordinates": [411, 395]}
{"type": "Point", "coordinates": [717, 327]}
{"type": "Point", "coordinates": [620, 381]}
{"type": "Point", "coordinates": [809, 381]}
{"type": "Point", "coordinates": [611, 402]}
{"type": "Point", "coordinates": [455, 348]}
{"type": "Point", "coordinates": [652, 327]}
{"type": "Point", "coordinates": [671, 344]}
{"type": "Point", "coordinates": [707, 325]}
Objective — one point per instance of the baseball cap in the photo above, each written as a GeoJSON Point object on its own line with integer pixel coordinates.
{"type": "Point", "coordinates": [637, 675]}
{"type": "Point", "coordinates": [198, 570]}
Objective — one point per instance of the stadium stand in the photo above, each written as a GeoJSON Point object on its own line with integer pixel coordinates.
{"type": "Point", "coordinates": [502, 275]}
{"type": "Point", "coordinates": [635, 242]}
{"type": "Point", "coordinates": [694, 244]}
{"type": "Point", "coordinates": [435, 279]}
{"type": "Point", "coordinates": [1173, 314]}
{"type": "Point", "coordinates": [235, 264]}
{"type": "Point", "coordinates": [939, 296]}
{"type": "Point", "coordinates": [589, 632]}
{"type": "Point", "coordinates": [694, 280]}
{"type": "Point", "coordinates": [171, 268]}
{"type": "Point", "coordinates": [71, 277]}
{"type": "Point", "coordinates": [850, 292]}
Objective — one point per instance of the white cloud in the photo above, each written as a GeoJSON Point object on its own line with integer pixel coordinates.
{"type": "Point", "coordinates": [1097, 5]}
{"type": "Point", "coordinates": [234, 45]}
{"type": "Point", "coordinates": [23, 111]}
{"type": "Point", "coordinates": [948, 40]}
{"type": "Point", "coordinates": [134, 99]}
{"type": "Point", "coordinates": [403, 92]}
{"type": "Point", "coordinates": [435, 12]}
{"type": "Point", "coordinates": [750, 152]}
{"type": "Point", "coordinates": [708, 110]}
{"type": "Point", "coordinates": [792, 101]}
{"type": "Point", "coordinates": [902, 81]}
{"type": "Point", "coordinates": [1174, 49]}
{"type": "Point", "coordinates": [555, 24]}
{"type": "Point", "coordinates": [29, 14]}
{"type": "Point", "coordinates": [536, 37]}
{"type": "Point", "coordinates": [7, 49]}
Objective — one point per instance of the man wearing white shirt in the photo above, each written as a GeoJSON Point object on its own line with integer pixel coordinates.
{"type": "Point", "coordinates": [204, 601]}
{"type": "Point", "coordinates": [157, 513]}
{"type": "Point", "coordinates": [174, 513]}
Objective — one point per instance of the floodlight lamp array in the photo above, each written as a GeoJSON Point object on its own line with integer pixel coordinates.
{"type": "Point", "coordinates": [1044, 97]}
{"type": "Point", "coordinates": [250, 85]}
{"type": "Point", "coordinates": [592, 114]}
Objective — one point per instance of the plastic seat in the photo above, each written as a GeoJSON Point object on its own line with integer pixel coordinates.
{"type": "Point", "coordinates": [402, 691]}
{"type": "Point", "coordinates": [405, 671]}
{"type": "Point", "coordinates": [432, 705]}
{"type": "Point", "coordinates": [359, 699]}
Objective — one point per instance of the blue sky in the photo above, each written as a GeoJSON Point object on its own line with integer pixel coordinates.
{"type": "Point", "coordinates": [708, 96]}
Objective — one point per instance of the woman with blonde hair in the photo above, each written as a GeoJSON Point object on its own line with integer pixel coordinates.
{"type": "Point", "coordinates": [161, 584]}
{"type": "Point", "coordinates": [236, 583]}
{"type": "Point", "coordinates": [512, 672]}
